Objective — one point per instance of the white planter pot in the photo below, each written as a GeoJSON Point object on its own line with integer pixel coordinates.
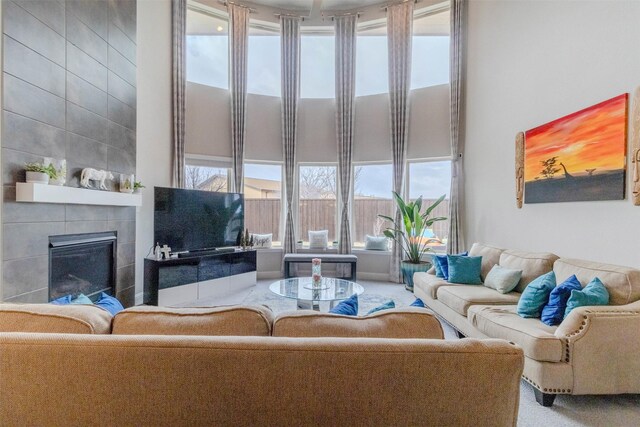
{"type": "Point", "coordinates": [38, 177]}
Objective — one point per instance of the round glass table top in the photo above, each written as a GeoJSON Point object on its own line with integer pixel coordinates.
{"type": "Point", "coordinates": [300, 288]}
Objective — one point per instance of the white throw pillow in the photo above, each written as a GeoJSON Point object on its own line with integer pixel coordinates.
{"type": "Point", "coordinates": [318, 239]}
{"type": "Point", "coordinates": [503, 280]}
{"type": "Point", "coordinates": [262, 240]}
{"type": "Point", "coordinates": [376, 243]}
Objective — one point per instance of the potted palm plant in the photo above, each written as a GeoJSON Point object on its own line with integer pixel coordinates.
{"type": "Point", "coordinates": [409, 234]}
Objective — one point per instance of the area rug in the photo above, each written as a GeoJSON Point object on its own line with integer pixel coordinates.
{"type": "Point", "coordinates": [279, 304]}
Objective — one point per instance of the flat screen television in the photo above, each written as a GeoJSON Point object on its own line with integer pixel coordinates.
{"type": "Point", "coordinates": [190, 220]}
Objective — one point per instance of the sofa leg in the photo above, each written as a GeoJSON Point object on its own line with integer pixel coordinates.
{"type": "Point", "coordinates": [545, 399]}
{"type": "Point", "coordinates": [460, 334]}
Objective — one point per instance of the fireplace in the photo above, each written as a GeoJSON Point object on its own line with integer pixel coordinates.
{"type": "Point", "coordinates": [82, 263]}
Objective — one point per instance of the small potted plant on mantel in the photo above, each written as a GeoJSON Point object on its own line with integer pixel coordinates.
{"type": "Point", "coordinates": [39, 173]}
{"type": "Point", "coordinates": [409, 235]}
{"type": "Point", "coordinates": [137, 186]}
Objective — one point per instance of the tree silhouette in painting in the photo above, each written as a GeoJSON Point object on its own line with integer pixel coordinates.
{"type": "Point", "coordinates": [549, 167]}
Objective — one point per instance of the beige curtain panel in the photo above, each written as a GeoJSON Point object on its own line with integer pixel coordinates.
{"type": "Point", "coordinates": [456, 243]}
{"type": "Point", "coordinates": [345, 29]}
{"type": "Point", "coordinates": [290, 49]}
{"type": "Point", "coordinates": [400, 33]}
{"type": "Point", "coordinates": [178, 88]}
{"type": "Point", "coordinates": [238, 54]}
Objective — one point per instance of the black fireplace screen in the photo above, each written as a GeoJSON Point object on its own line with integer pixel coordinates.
{"type": "Point", "coordinates": [82, 263]}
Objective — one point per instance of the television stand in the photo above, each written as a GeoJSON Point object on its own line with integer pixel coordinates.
{"type": "Point", "coordinates": [198, 275]}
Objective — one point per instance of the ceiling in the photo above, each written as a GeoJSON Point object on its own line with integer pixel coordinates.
{"type": "Point", "coordinates": [433, 20]}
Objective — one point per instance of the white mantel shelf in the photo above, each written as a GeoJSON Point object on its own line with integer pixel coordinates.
{"type": "Point", "coordinates": [42, 193]}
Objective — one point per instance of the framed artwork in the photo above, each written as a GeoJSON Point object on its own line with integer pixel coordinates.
{"type": "Point", "coordinates": [579, 157]}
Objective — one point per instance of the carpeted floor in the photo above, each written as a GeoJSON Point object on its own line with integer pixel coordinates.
{"type": "Point", "coordinates": [619, 411]}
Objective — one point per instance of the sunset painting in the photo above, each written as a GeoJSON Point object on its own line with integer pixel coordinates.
{"type": "Point", "coordinates": [578, 157]}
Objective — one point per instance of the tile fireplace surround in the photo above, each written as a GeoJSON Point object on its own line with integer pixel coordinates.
{"type": "Point", "coordinates": [69, 75]}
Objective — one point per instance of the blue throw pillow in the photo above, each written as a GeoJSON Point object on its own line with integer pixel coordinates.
{"type": "Point", "coordinates": [418, 303]}
{"type": "Point", "coordinates": [109, 303]}
{"type": "Point", "coordinates": [594, 293]}
{"type": "Point", "coordinates": [536, 295]}
{"type": "Point", "coordinates": [441, 264]}
{"type": "Point", "coordinates": [348, 307]}
{"type": "Point", "coordinates": [62, 300]}
{"type": "Point", "coordinates": [553, 312]}
{"type": "Point", "coordinates": [386, 306]}
{"type": "Point", "coordinates": [81, 299]}
{"type": "Point", "coordinates": [464, 269]}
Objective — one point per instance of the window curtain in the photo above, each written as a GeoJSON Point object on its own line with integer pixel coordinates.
{"type": "Point", "coordinates": [178, 89]}
{"type": "Point", "coordinates": [238, 51]}
{"type": "Point", "coordinates": [345, 29]}
{"type": "Point", "coordinates": [400, 33]}
{"type": "Point", "coordinates": [290, 63]}
{"type": "Point", "coordinates": [456, 243]}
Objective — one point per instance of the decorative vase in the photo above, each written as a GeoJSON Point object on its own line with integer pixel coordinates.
{"type": "Point", "coordinates": [37, 177]}
{"type": "Point", "coordinates": [408, 269]}
{"type": "Point", "coordinates": [60, 165]}
{"type": "Point", "coordinates": [126, 183]}
{"type": "Point", "coordinates": [316, 271]}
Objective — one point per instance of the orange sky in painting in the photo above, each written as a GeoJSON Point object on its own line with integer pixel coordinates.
{"type": "Point", "coordinates": [593, 138]}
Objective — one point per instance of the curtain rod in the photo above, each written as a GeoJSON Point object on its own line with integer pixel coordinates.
{"type": "Point", "coordinates": [291, 15]}
{"type": "Point", "coordinates": [387, 6]}
{"type": "Point", "coordinates": [336, 15]}
{"type": "Point", "coordinates": [227, 3]}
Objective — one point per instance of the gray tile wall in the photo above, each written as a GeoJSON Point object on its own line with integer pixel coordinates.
{"type": "Point", "coordinates": [69, 92]}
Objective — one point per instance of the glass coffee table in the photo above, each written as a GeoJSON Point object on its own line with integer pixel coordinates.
{"type": "Point", "coordinates": [300, 288]}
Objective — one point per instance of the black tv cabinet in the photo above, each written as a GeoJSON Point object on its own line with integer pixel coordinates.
{"type": "Point", "coordinates": [180, 280]}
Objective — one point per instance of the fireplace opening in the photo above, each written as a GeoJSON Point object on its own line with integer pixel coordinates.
{"type": "Point", "coordinates": [82, 263]}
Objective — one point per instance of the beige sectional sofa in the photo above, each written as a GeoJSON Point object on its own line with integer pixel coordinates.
{"type": "Point", "coordinates": [243, 366]}
{"type": "Point", "coordinates": [593, 351]}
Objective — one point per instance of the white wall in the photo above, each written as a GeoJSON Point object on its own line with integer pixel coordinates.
{"type": "Point", "coordinates": [530, 62]}
{"type": "Point", "coordinates": [154, 117]}
{"type": "Point", "coordinates": [208, 126]}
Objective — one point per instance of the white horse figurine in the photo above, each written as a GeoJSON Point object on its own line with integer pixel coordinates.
{"type": "Point", "coordinates": [89, 174]}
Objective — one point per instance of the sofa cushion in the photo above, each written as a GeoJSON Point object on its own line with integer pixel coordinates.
{"type": "Point", "coordinates": [460, 298]}
{"type": "Point", "coordinates": [229, 320]}
{"type": "Point", "coordinates": [429, 283]}
{"type": "Point", "coordinates": [490, 257]}
{"type": "Point", "coordinates": [51, 318]}
{"type": "Point", "coordinates": [532, 264]}
{"type": "Point", "coordinates": [536, 339]}
{"type": "Point", "coordinates": [622, 283]}
{"type": "Point", "coordinates": [408, 322]}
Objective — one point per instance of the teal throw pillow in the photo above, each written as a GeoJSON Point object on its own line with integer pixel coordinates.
{"type": "Point", "coordinates": [441, 264]}
{"type": "Point", "coordinates": [348, 307]}
{"type": "Point", "coordinates": [536, 295]}
{"type": "Point", "coordinates": [594, 293]}
{"type": "Point", "coordinates": [82, 299]}
{"type": "Point", "coordinates": [503, 280]}
{"type": "Point", "coordinates": [464, 269]}
{"type": "Point", "coordinates": [386, 306]}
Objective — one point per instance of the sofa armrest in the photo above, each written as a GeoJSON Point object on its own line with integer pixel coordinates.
{"type": "Point", "coordinates": [574, 326]}
{"type": "Point", "coordinates": [602, 344]}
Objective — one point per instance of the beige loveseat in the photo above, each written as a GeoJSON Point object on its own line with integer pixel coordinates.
{"type": "Point", "coordinates": [593, 351]}
{"type": "Point", "coordinates": [277, 374]}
